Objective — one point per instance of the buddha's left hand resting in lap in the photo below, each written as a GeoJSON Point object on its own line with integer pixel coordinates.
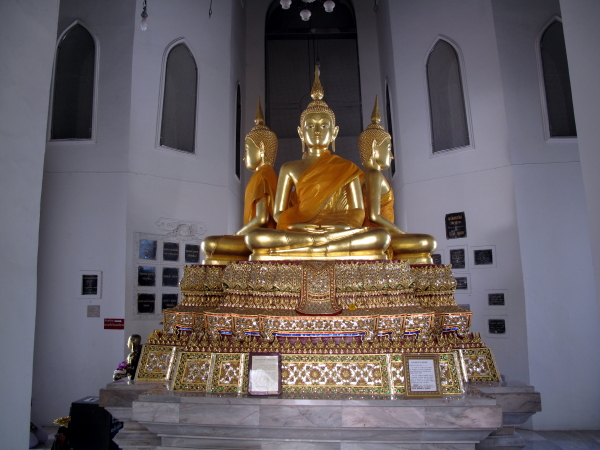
{"type": "Point", "coordinates": [319, 207]}
{"type": "Point", "coordinates": [261, 149]}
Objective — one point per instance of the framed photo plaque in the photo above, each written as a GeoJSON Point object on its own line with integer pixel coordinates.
{"type": "Point", "coordinates": [264, 375]}
{"type": "Point", "coordinates": [91, 284]}
{"type": "Point", "coordinates": [422, 376]}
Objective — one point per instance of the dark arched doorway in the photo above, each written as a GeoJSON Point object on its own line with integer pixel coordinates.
{"type": "Point", "coordinates": [292, 48]}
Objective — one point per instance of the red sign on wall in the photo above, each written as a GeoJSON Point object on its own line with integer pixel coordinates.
{"type": "Point", "coordinates": [114, 324]}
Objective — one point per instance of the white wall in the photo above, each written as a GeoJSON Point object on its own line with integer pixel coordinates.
{"type": "Point", "coordinates": [82, 225]}
{"type": "Point", "coordinates": [97, 195]}
{"type": "Point", "coordinates": [199, 187]}
{"type": "Point", "coordinates": [554, 235]}
{"type": "Point", "coordinates": [582, 37]}
{"type": "Point", "coordinates": [27, 32]}
{"type": "Point", "coordinates": [477, 180]}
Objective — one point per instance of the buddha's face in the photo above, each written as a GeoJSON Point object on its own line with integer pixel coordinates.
{"type": "Point", "coordinates": [382, 153]}
{"type": "Point", "coordinates": [253, 156]}
{"type": "Point", "coordinates": [317, 130]}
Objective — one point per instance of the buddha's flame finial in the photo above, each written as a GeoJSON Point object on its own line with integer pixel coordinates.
{"type": "Point", "coordinates": [376, 115]}
{"type": "Point", "coordinates": [259, 119]}
{"type": "Point", "coordinates": [317, 92]}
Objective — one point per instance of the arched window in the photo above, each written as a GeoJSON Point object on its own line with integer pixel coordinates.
{"type": "Point", "coordinates": [238, 132]}
{"type": "Point", "coordinates": [388, 116]}
{"type": "Point", "coordinates": [73, 97]}
{"type": "Point", "coordinates": [557, 84]}
{"type": "Point", "coordinates": [449, 127]}
{"type": "Point", "coordinates": [178, 124]}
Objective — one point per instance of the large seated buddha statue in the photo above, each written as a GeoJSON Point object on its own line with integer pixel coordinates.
{"type": "Point", "coordinates": [374, 145]}
{"type": "Point", "coordinates": [261, 150]}
{"type": "Point", "coordinates": [319, 206]}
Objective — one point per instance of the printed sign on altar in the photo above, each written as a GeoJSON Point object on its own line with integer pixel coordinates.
{"type": "Point", "coordinates": [422, 376]}
{"type": "Point", "coordinates": [264, 376]}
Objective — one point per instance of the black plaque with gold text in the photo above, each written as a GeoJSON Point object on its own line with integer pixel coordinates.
{"type": "Point", "coordinates": [457, 258]}
{"type": "Point", "coordinates": [496, 299]}
{"type": "Point", "coordinates": [456, 225]}
{"type": "Point", "coordinates": [169, 301]}
{"type": "Point", "coordinates": [462, 283]}
{"type": "Point", "coordinates": [147, 249]}
{"type": "Point", "coordinates": [145, 303]}
{"type": "Point", "coordinates": [146, 276]}
{"type": "Point", "coordinates": [483, 257]}
{"type": "Point", "coordinates": [170, 276]}
{"type": "Point", "coordinates": [192, 253]}
{"type": "Point", "coordinates": [89, 285]}
{"type": "Point", "coordinates": [497, 326]}
{"type": "Point", "coordinates": [171, 251]}
{"type": "Point", "coordinates": [436, 258]}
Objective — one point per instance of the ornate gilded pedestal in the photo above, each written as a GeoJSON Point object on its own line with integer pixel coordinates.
{"type": "Point", "coordinates": [341, 327]}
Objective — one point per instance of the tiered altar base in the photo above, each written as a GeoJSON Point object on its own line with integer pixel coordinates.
{"type": "Point", "coordinates": [340, 326]}
{"type": "Point", "coordinates": [316, 421]}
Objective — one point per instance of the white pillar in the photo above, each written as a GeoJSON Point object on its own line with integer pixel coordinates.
{"type": "Point", "coordinates": [581, 20]}
{"type": "Point", "coordinates": [27, 40]}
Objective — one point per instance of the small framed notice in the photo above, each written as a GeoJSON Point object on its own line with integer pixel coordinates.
{"type": "Point", "coordinates": [422, 376]}
{"type": "Point", "coordinates": [264, 376]}
{"type": "Point", "coordinates": [91, 284]}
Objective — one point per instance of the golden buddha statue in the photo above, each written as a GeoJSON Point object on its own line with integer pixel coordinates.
{"type": "Point", "coordinates": [374, 145]}
{"type": "Point", "coordinates": [261, 150]}
{"type": "Point", "coordinates": [319, 206]}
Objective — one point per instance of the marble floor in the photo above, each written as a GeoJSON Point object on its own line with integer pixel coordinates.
{"type": "Point", "coordinates": [536, 440]}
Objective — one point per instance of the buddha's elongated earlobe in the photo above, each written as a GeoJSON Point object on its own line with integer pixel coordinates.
{"type": "Point", "coordinates": [333, 146]}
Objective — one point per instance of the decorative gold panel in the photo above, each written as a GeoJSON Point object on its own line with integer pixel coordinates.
{"type": "Point", "coordinates": [364, 374]}
{"type": "Point", "coordinates": [230, 373]}
{"type": "Point", "coordinates": [480, 365]}
{"type": "Point", "coordinates": [154, 362]}
{"type": "Point", "coordinates": [192, 371]}
{"type": "Point", "coordinates": [450, 375]}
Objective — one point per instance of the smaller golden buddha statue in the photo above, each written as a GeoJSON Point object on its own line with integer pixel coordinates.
{"type": "Point", "coordinates": [374, 145]}
{"type": "Point", "coordinates": [261, 150]}
{"type": "Point", "coordinates": [319, 206]}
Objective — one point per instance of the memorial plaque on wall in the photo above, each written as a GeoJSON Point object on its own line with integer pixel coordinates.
{"type": "Point", "coordinates": [462, 283]}
{"type": "Point", "coordinates": [145, 303]}
{"type": "Point", "coordinates": [436, 258]}
{"type": "Point", "coordinates": [483, 257]}
{"type": "Point", "coordinates": [146, 276]}
{"type": "Point", "coordinates": [192, 253]}
{"type": "Point", "coordinates": [457, 258]}
{"type": "Point", "coordinates": [171, 251]}
{"type": "Point", "coordinates": [496, 299]}
{"type": "Point", "coordinates": [89, 285]}
{"type": "Point", "coordinates": [170, 276]}
{"type": "Point", "coordinates": [456, 225]}
{"type": "Point", "coordinates": [147, 249]}
{"type": "Point", "coordinates": [497, 326]}
{"type": "Point", "coordinates": [169, 301]}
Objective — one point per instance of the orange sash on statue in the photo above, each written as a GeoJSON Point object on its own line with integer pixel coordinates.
{"type": "Point", "coordinates": [263, 183]}
{"type": "Point", "coordinates": [316, 186]}
{"type": "Point", "coordinates": [386, 209]}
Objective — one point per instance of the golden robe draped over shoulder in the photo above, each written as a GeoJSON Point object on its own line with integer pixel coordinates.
{"type": "Point", "coordinates": [386, 209]}
{"type": "Point", "coordinates": [320, 198]}
{"type": "Point", "coordinates": [262, 183]}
